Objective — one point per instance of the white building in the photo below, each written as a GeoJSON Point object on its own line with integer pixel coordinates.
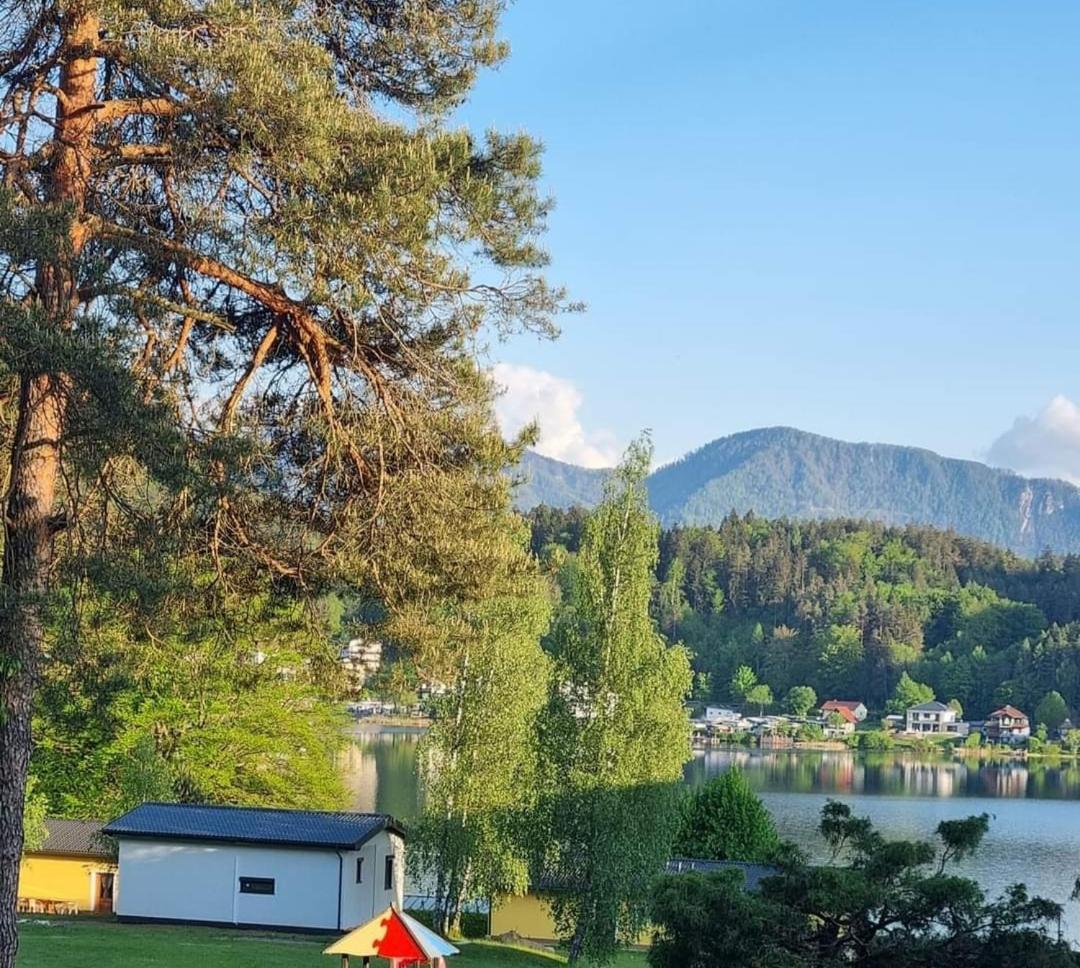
{"type": "Point", "coordinates": [721, 716]}
{"type": "Point", "coordinates": [271, 868]}
{"type": "Point", "coordinates": [934, 717]}
{"type": "Point", "coordinates": [360, 659]}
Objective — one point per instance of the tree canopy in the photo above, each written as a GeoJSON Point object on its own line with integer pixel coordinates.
{"type": "Point", "coordinates": [849, 607]}
{"type": "Point", "coordinates": [614, 734]}
{"type": "Point", "coordinates": [246, 266]}
{"type": "Point", "coordinates": [725, 820]}
{"type": "Point", "coordinates": [879, 904]}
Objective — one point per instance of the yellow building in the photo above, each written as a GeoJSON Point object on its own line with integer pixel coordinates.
{"type": "Point", "coordinates": [73, 871]}
{"type": "Point", "coordinates": [529, 915]}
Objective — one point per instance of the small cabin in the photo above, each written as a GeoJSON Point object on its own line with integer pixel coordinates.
{"type": "Point", "coordinates": [72, 872]}
{"type": "Point", "coordinates": [294, 869]}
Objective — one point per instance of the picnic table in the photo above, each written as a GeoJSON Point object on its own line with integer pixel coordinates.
{"type": "Point", "coordinates": [45, 905]}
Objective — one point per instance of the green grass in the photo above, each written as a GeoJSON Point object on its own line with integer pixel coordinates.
{"type": "Point", "coordinates": [69, 943]}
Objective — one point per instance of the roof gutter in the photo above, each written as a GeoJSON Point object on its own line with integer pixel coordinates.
{"type": "Point", "coordinates": [340, 876]}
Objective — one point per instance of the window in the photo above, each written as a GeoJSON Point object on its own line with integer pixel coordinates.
{"type": "Point", "coordinates": [256, 885]}
{"type": "Point", "coordinates": [388, 875]}
{"type": "Point", "coordinates": [359, 870]}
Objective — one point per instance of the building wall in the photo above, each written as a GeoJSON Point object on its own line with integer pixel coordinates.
{"type": "Point", "coordinates": [61, 878]}
{"type": "Point", "coordinates": [201, 882]}
{"type": "Point", "coordinates": [361, 902]}
{"type": "Point", "coordinates": [530, 917]}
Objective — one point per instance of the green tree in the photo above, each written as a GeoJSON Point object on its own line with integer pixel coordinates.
{"type": "Point", "coordinates": [1051, 711]}
{"type": "Point", "coordinates": [725, 820]}
{"type": "Point", "coordinates": [909, 693]}
{"type": "Point", "coordinates": [35, 811]}
{"type": "Point", "coordinates": [206, 697]}
{"type": "Point", "coordinates": [760, 696]}
{"type": "Point", "coordinates": [615, 734]}
{"type": "Point", "coordinates": [743, 681]}
{"type": "Point", "coordinates": [879, 903]}
{"type": "Point", "coordinates": [672, 598]}
{"type": "Point", "coordinates": [840, 659]}
{"type": "Point", "coordinates": [245, 266]}
{"type": "Point", "coordinates": [800, 700]}
{"type": "Point", "coordinates": [468, 840]}
{"type": "Point", "coordinates": [956, 706]}
{"type": "Point", "coordinates": [702, 691]}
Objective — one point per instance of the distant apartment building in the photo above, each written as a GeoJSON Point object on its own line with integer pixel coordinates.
{"type": "Point", "coordinates": [721, 716]}
{"type": "Point", "coordinates": [360, 659]}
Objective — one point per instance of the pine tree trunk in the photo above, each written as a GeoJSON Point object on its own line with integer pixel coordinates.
{"type": "Point", "coordinates": [30, 524]}
{"type": "Point", "coordinates": [27, 551]}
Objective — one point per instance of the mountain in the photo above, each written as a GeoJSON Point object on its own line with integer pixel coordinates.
{"type": "Point", "coordinates": [544, 480]}
{"type": "Point", "coordinates": [782, 472]}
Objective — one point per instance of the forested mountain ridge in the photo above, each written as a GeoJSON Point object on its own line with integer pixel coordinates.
{"type": "Point", "coordinates": [849, 607]}
{"type": "Point", "coordinates": [544, 480]}
{"type": "Point", "coordinates": [781, 472]}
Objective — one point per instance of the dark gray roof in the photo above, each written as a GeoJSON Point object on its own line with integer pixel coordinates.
{"type": "Point", "coordinates": [753, 874]}
{"type": "Point", "coordinates": [251, 825]}
{"type": "Point", "coordinates": [930, 707]}
{"type": "Point", "coordinates": [553, 881]}
{"type": "Point", "coordinates": [81, 837]}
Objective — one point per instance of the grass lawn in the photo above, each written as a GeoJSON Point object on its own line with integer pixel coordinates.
{"type": "Point", "coordinates": [66, 943]}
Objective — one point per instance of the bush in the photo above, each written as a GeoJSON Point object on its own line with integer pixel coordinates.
{"type": "Point", "coordinates": [875, 739]}
{"type": "Point", "coordinates": [725, 820]}
{"type": "Point", "coordinates": [973, 741]}
{"type": "Point", "coordinates": [474, 924]}
{"type": "Point", "coordinates": [810, 733]}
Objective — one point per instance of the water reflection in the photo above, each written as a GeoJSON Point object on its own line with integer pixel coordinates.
{"type": "Point", "coordinates": [1034, 831]}
{"type": "Point", "coordinates": [842, 773]}
{"type": "Point", "coordinates": [379, 768]}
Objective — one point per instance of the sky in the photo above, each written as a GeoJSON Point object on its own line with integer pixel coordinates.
{"type": "Point", "coordinates": [859, 219]}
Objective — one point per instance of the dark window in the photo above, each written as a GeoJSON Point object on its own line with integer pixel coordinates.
{"type": "Point", "coordinates": [359, 870]}
{"type": "Point", "coordinates": [256, 885]}
{"type": "Point", "coordinates": [388, 876]}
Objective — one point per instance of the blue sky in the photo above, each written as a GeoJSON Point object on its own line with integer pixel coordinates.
{"type": "Point", "coordinates": [858, 218]}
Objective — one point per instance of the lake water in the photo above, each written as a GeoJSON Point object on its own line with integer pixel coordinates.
{"type": "Point", "coordinates": [1035, 809]}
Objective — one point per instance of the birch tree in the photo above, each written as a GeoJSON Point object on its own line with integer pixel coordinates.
{"type": "Point", "coordinates": [478, 761]}
{"type": "Point", "coordinates": [615, 736]}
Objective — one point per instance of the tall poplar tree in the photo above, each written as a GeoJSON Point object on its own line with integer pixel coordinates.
{"type": "Point", "coordinates": [615, 736]}
{"type": "Point", "coordinates": [243, 267]}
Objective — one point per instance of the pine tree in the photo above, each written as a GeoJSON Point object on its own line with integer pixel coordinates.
{"type": "Point", "coordinates": [243, 267]}
{"type": "Point", "coordinates": [615, 735]}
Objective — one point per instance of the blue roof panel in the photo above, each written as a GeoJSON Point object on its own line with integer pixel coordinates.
{"type": "Point", "coordinates": [251, 825]}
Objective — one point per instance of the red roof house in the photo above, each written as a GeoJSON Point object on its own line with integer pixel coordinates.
{"type": "Point", "coordinates": [843, 707]}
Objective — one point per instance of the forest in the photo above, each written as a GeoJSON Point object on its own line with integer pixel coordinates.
{"type": "Point", "coordinates": [848, 607]}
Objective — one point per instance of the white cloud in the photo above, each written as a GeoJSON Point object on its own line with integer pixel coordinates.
{"type": "Point", "coordinates": [1046, 445]}
{"type": "Point", "coordinates": [554, 403]}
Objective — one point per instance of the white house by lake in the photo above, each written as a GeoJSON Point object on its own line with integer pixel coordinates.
{"type": "Point", "coordinates": [934, 717]}
{"type": "Point", "coordinates": [256, 867]}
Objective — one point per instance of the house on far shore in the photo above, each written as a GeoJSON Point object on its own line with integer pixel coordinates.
{"type": "Point", "coordinates": [844, 720]}
{"type": "Point", "coordinates": [1007, 725]}
{"type": "Point", "coordinates": [71, 873]}
{"type": "Point", "coordinates": [856, 708]}
{"type": "Point", "coordinates": [266, 868]}
{"type": "Point", "coordinates": [721, 716]}
{"type": "Point", "coordinates": [934, 717]}
{"type": "Point", "coordinates": [529, 915]}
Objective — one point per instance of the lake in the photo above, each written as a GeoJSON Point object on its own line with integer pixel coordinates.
{"type": "Point", "coordinates": [1035, 808]}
